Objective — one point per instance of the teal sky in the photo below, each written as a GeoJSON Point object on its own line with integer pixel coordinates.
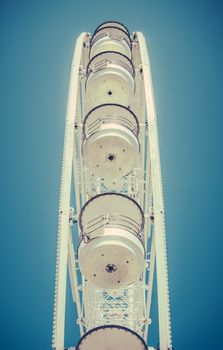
{"type": "Point", "coordinates": [186, 52]}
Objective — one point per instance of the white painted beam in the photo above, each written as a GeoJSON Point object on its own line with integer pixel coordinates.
{"type": "Point", "coordinates": [159, 223]}
{"type": "Point", "coordinates": [64, 206]}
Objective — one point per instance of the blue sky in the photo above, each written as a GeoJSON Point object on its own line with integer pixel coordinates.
{"type": "Point", "coordinates": [185, 45]}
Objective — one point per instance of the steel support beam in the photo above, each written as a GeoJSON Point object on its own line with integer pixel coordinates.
{"type": "Point", "coordinates": [64, 206]}
{"type": "Point", "coordinates": [159, 223]}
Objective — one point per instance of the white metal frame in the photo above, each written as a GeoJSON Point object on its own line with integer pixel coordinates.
{"type": "Point", "coordinates": [94, 306]}
{"type": "Point", "coordinates": [64, 205]}
{"type": "Point", "coordinates": [158, 203]}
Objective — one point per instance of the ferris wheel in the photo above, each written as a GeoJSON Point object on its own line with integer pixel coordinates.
{"type": "Point", "coordinates": [111, 226]}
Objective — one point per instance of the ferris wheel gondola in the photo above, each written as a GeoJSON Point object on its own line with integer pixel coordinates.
{"type": "Point", "coordinates": [110, 78]}
{"type": "Point", "coordinates": [111, 337]}
{"type": "Point", "coordinates": [111, 147]}
{"type": "Point", "coordinates": [111, 36]}
{"type": "Point", "coordinates": [111, 252]}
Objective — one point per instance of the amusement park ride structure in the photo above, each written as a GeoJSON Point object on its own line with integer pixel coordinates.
{"type": "Point", "coordinates": [111, 237]}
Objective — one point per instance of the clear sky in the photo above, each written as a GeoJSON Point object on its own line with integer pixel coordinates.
{"type": "Point", "coordinates": [186, 52]}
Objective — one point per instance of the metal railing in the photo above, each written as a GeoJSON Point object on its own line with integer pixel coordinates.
{"type": "Point", "coordinates": [117, 59]}
{"type": "Point", "coordinates": [113, 221]}
{"type": "Point", "coordinates": [97, 124]}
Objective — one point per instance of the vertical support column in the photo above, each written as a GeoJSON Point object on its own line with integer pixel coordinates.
{"type": "Point", "coordinates": [159, 223]}
{"type": "Point", "coordinates": [150, 284]}
{"type": "Point", "coordinates": [64, 205]}
{"type": "Point", "coordinates": [72, 266]}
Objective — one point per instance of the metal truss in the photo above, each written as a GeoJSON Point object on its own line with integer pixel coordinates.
{"type": "Point", "coordinates": [128, 306]}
